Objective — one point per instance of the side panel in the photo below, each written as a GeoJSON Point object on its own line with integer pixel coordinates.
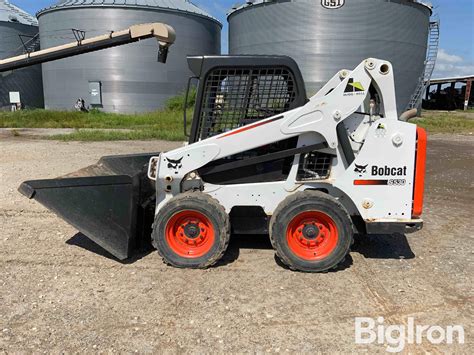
{"type": "Point", "coordinates": [380, 180]}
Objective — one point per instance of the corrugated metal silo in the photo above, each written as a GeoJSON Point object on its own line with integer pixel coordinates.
{"type": "Point", "coordinates": [129, 77]}
{"type": "Point", "coordinates": [13, 23]}
{"type": "Point", "coordinates": [323, 41]}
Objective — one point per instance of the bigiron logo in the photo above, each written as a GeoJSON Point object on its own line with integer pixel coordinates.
{"type": "Point", "coordinates": [332, 4]}
{"type": "Point", "coordinates": [381, 171]}
{"type": "Point", "coordinates": [354, 88]}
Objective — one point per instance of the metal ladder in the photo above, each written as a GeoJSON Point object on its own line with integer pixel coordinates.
{"type": "Point", "coordinates": [32, 45]}
{"type": "Point", "coordinates": [29, 44]}
{"type": "Point", "coordinates": [431, 56]}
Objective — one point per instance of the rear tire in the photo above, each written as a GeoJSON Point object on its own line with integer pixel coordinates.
{"type": "Point", "coordinates": [192, 230]}
{"type": "Point", "coordinates": [311, 231]}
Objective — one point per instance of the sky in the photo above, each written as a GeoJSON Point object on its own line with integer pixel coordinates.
{"type": "Point", "coordinates": [455, 57]}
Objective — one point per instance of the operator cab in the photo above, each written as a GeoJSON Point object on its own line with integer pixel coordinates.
{"type": "Point", "coordinates": [234, 91]}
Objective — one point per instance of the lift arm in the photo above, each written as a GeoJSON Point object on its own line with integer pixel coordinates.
{"type": "Point", "coordinates": [163, 33]}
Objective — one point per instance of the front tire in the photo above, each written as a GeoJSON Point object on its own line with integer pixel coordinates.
{"type": "Point", "coordinates": [191, 231]}
{"type": "Point", "coordinates": [311, 231]}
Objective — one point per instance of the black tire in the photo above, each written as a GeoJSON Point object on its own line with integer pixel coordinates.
{"type": "Point", "coordinates": [295, 208]}
{"type": "Point", "coordinates": [172, 246]}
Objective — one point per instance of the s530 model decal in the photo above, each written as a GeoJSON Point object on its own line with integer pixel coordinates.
{"type": "Point", "coordinates": [397, 182]}
{"type": "Point", "coordinates": [390, 182]}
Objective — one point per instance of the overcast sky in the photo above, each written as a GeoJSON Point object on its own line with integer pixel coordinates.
{"type": "Point", "coordinates": [456, 55]}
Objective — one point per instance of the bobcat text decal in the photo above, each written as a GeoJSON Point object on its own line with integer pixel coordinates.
{"type": "Point", "coordinates": [382, 171]}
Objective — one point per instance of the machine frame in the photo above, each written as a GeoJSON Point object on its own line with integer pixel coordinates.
{"type": "Point", "coordinates": [384, 200]}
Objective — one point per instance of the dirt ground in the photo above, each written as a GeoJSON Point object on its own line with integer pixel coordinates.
{"type": "Point", "coordinates": [58, 292]}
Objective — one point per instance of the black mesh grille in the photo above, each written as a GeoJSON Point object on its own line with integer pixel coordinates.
{"type": "Point", "coordinates": [314, 166]}
{"type": "Point", "coordinates": [234, 97]}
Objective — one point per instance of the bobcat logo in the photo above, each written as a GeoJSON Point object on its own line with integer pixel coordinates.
{"type": "Point", "coordinates": [175, 164]}
{"type": "Point", "coordinates": [360, 169]}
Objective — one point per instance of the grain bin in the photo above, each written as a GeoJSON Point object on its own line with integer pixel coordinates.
{"type": "Point", "coordinates": [128, 79]}
{"type": "Point", "coordinates": [13, 23]}
{"type": "Point", "coordinates": [324, 40]}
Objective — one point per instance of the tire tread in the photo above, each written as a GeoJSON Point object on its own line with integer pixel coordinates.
{"type": "Point", "coordinates": [298, 196]}
{"type": "Point", "coordinates": [224, 230]}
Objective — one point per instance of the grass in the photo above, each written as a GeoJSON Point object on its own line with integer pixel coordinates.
{"type": "Point", "coordinates": [166, 124]}
{"type": "Point", "coordinates": [446, 122]}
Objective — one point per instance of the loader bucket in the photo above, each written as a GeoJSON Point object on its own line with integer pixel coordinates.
{"type": "Point", "coordinates": [109, 202]}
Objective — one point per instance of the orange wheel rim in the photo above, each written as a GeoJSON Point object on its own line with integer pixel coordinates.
{"type": "Point", "coordinates": [190, 234]}
{"type": "Point", "coordinates": [312, 235]}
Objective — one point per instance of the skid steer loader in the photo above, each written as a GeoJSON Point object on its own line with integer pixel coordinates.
{"type": "Point", "coordinates": [262, 158]}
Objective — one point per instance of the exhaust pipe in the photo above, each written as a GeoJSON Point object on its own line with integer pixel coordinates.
{"type": "Point", "coordinates": [408, 115]}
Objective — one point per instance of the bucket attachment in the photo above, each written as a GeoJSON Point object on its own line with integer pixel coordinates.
{"type": "Point", "coordinates": [112, 202]}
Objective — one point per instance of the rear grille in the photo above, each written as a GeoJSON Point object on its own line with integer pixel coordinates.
{"type": "Point", "coordinates": [314, 166]}
{"type": "Point", "coordinates": [236, 97]}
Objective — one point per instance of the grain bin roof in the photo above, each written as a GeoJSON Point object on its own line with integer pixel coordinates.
{"type": "Point", "coordinates": [184, 6]}
{"type": "Point", "coordinates": [11, 13]}
{"type": "Point", "coordinates": [237, 7]}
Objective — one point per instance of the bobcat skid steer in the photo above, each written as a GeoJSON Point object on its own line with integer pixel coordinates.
{"type": "Point", "coordinates": [261, 159]}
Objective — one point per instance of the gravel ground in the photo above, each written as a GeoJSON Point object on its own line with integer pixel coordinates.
{"type": "Point", "coordinates": [58, 292]}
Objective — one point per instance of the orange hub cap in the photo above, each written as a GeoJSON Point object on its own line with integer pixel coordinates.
{"type": "Point", "coordinates": [312, 235]}
{"type": "Point", "coordinates": [190, 234]}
